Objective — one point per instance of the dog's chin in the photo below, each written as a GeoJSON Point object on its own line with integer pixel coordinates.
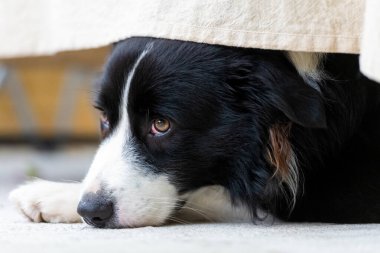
{"type": "Point", "coordinates": [156, 216]}
{"type": "Point", "coordinates": [130, 221]}
{"type": "Point", "coordinates": [127, 221]}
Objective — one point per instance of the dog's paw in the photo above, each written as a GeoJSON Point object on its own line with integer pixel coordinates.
{"type": "Point", "coordinates": [44, 201]}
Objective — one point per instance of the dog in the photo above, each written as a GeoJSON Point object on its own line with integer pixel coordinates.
{"type": "Point", "coordinates": [193, 131]}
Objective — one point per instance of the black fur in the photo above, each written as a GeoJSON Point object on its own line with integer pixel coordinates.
{"type": "Point", "coordinates": [222, 102]}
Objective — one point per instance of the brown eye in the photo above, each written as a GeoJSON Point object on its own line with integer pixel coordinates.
{"type": "Point", "coordinates": [160, 126]}
{"type": "Point", "coordinates": [104, 124]}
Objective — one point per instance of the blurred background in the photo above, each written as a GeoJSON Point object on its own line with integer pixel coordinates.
{"type": "Point", "coordinates": [48, 127]}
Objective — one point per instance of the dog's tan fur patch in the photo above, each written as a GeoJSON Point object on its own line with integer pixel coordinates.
{"type": "Point", "coordinates": [281, 157]}
{"type": "Point", "coordinates": [279, 151]}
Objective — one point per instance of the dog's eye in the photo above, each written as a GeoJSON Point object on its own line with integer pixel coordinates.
{"type": "Point", "coordinates": [160, 126]}
{"type": "Point", "coordinates": [104, 124]}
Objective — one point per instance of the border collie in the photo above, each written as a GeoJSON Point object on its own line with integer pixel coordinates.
{"type": "Point", "coordinates": [192, 130]}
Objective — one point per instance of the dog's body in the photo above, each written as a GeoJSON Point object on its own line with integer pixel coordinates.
{"type": "Point", "coordinates": [227, 133]}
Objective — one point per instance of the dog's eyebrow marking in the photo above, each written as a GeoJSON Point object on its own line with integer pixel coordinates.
{"type": "Point", "coordinates": [124, 118]}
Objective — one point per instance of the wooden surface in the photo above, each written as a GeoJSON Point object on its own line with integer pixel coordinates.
{"type": "Point", "coordinates": [42, 80]}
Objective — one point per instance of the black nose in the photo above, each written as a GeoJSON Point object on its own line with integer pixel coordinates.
{"type": "Point", "coordinates": [95, 209]}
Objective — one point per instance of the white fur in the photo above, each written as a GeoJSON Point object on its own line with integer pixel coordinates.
{"type": "Point", "coordinates": [48, 201]}
{"type": "Point", "coordinates": [292, 180]}
{"type": "Point", "coordinates": [213, 203]}
{"type": "Point", "coordinates": [44, 201]}
{"type": "Point", "coordinates": [308, 66]}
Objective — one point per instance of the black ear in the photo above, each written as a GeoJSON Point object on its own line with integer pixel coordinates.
{"type": "Point", "coordinates": [300, 102]}
{"type": "Point", "coordinates": [272, 78]}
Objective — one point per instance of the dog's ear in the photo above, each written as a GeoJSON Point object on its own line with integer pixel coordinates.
{"type": "Point", "coordinates": [301, 103]}
{"type": "Point", "coordinates": [269, 76]}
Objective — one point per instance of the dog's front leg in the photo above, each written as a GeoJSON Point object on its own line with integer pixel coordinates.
{"type": "Point", "coordinates": [45, 201]}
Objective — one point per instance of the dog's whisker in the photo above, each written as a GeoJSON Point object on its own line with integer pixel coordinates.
{"type": "Point", "coordinates": [193, 209]}
{"type": "Point", "coordinates": [200, 212]}
{"type": "Point", "coordinates": [178, 220]}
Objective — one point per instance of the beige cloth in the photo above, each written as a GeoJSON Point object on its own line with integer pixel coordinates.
{"type": "Point", "coordinates": [41, 27]}
{"type": "Point", "coordinates": [370, 48]}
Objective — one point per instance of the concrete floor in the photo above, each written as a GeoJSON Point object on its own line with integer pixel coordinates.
{"type": "Point", "coordinates": [17, 234]}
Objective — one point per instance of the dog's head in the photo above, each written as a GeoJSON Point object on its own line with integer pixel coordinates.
{"type": "Point", "coordinates": [178, 116]}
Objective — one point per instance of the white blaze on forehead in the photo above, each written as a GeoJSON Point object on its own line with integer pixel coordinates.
{"type": "Point", "coordinates": [124, 117]}
{"type": "Point", "coordinates": [119, 168]}
{"type": "Point", "coordinates": [116, 151]}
